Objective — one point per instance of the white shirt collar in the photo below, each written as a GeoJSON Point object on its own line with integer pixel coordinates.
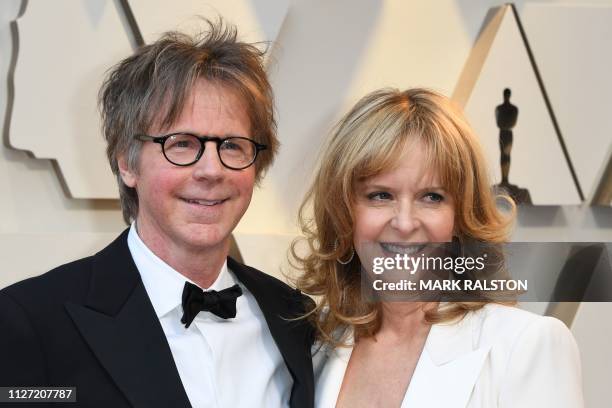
{"type": "Point", "coordinates": [163, 284]}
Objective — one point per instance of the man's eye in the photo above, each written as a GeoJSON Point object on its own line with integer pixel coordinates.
{"type": "Point", "coordinates": [181, 143]}
{"type": "Point", "coordinates": [380, 196]}
{"type": "Point", "coordinates": [229, 145]}
{"type": "Point", "coordinates": [434, 197]}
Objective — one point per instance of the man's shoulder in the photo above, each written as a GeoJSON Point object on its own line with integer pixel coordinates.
{"type": "Point", "coordinates": [274, 282]}
{"type": "Point", "coordinates": [272, 285]}
{"type": "Point", "coordinates": [58, 284]}
{"type": "Point", "coordinates": [69, 281]}
{"type": "Point", "coordinates": [69, 274]}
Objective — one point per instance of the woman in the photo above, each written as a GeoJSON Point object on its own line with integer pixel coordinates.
{"type": "Point", "coordinates": [405, 167]}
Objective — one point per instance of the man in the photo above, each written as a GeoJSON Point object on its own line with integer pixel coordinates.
{"type": "Point", "coordinates": [190, 129]}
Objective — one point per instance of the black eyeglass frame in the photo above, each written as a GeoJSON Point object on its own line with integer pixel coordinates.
{"type": "Point", "coordinates": [203, 139]}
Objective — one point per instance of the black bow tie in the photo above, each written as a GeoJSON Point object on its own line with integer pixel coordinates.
{"type": "Point", "coordinates": [222, 303]}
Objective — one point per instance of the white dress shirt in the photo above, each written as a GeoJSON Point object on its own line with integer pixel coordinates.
{"type": "Point", "coordinates": [222, 363]}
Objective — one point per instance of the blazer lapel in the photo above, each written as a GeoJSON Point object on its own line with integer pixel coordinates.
{"type": "Point", "coordinates": [119, 324]}
{"type": "Point", "coordinates": [448, 367]}
{"type": "Point", "coordinates": [292, 337]}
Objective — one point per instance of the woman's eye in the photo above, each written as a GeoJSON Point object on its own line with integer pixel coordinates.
{"type": "Point", "coordinates": [380, 196]}
{"type": "Point", "coordinates": [434, 197]}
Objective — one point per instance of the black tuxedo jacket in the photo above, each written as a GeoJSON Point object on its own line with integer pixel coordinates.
{"type": "Point", "coordinates": [90, 324]}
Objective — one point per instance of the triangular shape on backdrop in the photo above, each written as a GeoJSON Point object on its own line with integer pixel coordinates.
{"type": "Point", "coordinates": [581, 102]}
{"type": "Point", "coordinates": [506, 103]}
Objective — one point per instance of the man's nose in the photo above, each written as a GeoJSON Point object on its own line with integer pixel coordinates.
{"type": "Point", "coordinates": [209, 166]}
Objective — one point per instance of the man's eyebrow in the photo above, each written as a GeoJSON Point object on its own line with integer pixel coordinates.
{"type": "Point", "coordinates": [191, 132]}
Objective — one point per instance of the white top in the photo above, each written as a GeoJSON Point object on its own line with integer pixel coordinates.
{"type": "Point", "coordinates": [498, 356]}
{"type": "Point", "coordinates": [222, 363]}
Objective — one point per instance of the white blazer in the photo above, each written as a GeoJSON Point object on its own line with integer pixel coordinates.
{"type": "Point", "coordinates": [498, 356]}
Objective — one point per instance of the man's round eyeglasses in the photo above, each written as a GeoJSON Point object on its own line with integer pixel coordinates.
{"type": "Point", "coordinates": [185, 149]}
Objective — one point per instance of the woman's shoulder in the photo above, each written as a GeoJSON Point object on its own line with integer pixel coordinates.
{"type": "Point", "coordinates": [498, 316]}
{"type": "Point", "coordinates": [534, 358]}
{"type": "Point", "coordinates": [509, 325]}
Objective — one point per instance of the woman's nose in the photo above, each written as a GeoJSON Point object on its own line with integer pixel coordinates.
{"type": "Point", "coordinates": [405, 219]}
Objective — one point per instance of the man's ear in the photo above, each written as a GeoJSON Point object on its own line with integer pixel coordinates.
{"type": "Point", "coordinates": [128, 176]}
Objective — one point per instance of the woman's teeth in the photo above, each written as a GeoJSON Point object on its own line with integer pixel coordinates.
{"type": "Point", "coordinates": [408, 249]}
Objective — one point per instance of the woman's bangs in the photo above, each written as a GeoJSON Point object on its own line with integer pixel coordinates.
{"type": "Point", "coordinates": [379, 155]}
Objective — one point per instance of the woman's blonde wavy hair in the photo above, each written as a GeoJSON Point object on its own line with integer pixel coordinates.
{"type": "Point", "coordinates": [366, 142]}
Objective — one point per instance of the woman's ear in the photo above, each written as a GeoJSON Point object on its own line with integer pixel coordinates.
{"type": "Point", "coordinates": [128, 176]}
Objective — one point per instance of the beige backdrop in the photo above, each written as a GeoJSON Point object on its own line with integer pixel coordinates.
{"type": "Point", "coordinates": [327, 54]}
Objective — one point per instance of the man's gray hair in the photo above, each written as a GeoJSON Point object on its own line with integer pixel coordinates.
{"type": "Point", "coordinates": [151, 87]}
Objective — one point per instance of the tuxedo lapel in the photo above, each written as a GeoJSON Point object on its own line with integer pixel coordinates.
{"type": "Point", "coordinates": [329, 380]}
{"type": "Point", "coordinates": [119, 324]}
{"type": "Point", "coordinates": [292, 337]}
